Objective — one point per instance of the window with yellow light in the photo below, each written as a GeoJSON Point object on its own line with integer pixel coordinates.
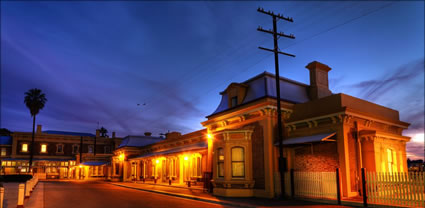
{"type": "Point", "coordinates": [43, 148]}
{"type": "Point", "coordinates": [24, 147]}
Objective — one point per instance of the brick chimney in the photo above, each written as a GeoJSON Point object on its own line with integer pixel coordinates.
{"type": "Point", "coordinates": [113, 134]}
{"type": "Point", "coordinates": [97, 133]}
{"type": "Point", "coordinates": [38, 129]}
{"type": "Point", "coordinates": [319, 84]}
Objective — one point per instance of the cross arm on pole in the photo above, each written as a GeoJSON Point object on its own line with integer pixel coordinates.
{"type": "Point", "coordinates": [277, 33]}
{"type": "Point", "coordinates": [261, 10]}
{"type": "Point", "coordinates": [280, 52]}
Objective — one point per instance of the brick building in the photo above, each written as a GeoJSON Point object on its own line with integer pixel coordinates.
{"type": "Point", "coordinates": [324, 131]}
{"type": "Point", "coordinates": [56, 153]}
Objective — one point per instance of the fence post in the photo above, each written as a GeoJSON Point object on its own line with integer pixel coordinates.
{"type": "Point", "coordinates": [364, 187]}
{"type": "Point", "coordinates": [27, 189]}
{"type": "Point", "coordinates": [21, 196]}
{"type": "Point", "coordinates": [1, 196]}
{"type": "Point", "coordinates": [292, 183]}
{"type": "Point", "coordinates": [338, 187]}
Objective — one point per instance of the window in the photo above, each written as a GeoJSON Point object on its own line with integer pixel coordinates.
{"type": "Point", "coordinates": [196, 166]}
{"type": "Point", "coordinates": [3, 151]}
{"type": "Point", "coordinates": [90, 149]}
{"type": "Point", "coordinates": [220, 159]}
{"type": "Point", "coordinates": [234, 101]}
{"type": "Point", "coordinates": [117, 168]}
{"type": "Point", "coordinates": [238, 162]}
{"type": "Point", "coordinates": [43, 148]}
{"type": "Point", "coordinates": [59, 148]}
{"type": "Point", "coordinates": [24, 148]}
{"type": "Point", "coordinates": [107, 150]}
{"type": "Point", "coordinates": [391, 157]}
{"type": "Point", "coordinates": [75, 149]}
{"type": "Point", "coordinates": [173, 167]}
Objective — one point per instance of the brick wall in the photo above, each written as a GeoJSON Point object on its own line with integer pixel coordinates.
{"type": "Point", "coordinates": [323, 158]}
{"type": "Point", "coordinates": [257, 139]}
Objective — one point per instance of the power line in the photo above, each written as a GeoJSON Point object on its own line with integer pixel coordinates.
{"type": "Point", "coordinates": [297, 42]}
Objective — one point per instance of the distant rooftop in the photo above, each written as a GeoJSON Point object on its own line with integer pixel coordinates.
{"type": "Point", "coordinates": [139, 141]}
{"type": "Point", "coordinates": [69, 133]}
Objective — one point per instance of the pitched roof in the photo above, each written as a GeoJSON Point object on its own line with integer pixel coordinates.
{"type": "Point", "coordinates": [5, 140]}
{"type": "Point", "coordinates": [69, 133]}
{"type": "Point", "coordinates": [264, 85]}
{"type": "Point", "coordinates": [139, 141]}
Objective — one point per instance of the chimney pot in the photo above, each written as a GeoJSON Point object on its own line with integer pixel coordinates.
{"type": "Point", "coordinates": [113, 134]}
{"type": "Point", "coordinates": [97, 133]}
{"type": "Point", "coordinates": [148, 133]}
{"type": "Point", "coordinates": [39, 129]}
{"type": "Point", "coordinates": [319, 84]}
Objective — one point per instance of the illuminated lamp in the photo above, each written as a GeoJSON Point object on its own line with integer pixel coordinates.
{"type": "Point", "coordinates": [209, 136]}
{"type": "Point", "coordinates": [121, 157]}
{"type": "Point", "coordinates": [157, 161]}
{"type": "Point", "coordinates": [185, 158]}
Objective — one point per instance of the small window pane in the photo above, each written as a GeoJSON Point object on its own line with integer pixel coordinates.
{"type": "Point", "coordinates": [238, 169]}
{"type": "Point", "coordinates": [221, 169]}
{"type": "Point", "coordinates": [237, 154]}
{"type": "Point", "coordinates": [43, 148]}
{"type": "Point", "coordinates": [24, 147]}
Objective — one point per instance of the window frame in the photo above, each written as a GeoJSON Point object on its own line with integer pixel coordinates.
{"type": "Point", "coordinates": [233, 101]}
{"type": "Point", "coordinates": [107, 148]}
{"type": "Point", "coordinates": [220, 162]}
{"type": "Point", "coordinates": [90, 147]}
{"type": "Point", "coordinates": [3, 152]}
{"type": "Point", "coordinates": [73, 148]}
{"type": "Point", "coordinates": [22, 147]}
{"type": "Point", "coordinates": [41, 148]}
{"type": "Point", "coordinates": [63, 148]}
{"type": "Point", "coordinates": [238, 161]}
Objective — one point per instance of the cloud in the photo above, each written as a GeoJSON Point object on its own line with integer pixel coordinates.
{"type": "Point", "coordinates": [381, 86]}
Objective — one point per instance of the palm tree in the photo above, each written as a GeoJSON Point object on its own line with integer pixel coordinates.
{"type": "Point", "coordinates": [35, 101]}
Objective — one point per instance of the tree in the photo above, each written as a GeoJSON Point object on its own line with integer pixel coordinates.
{"type": "Point", "coordinates": [5, 132]}
{"type": "Point", "coordinates": [35, 101]}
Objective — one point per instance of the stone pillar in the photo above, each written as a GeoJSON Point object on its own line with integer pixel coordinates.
{"type": "Point", "coordinates": [181, 169]}
{"type": "Point", "coordinates": [125, 171]}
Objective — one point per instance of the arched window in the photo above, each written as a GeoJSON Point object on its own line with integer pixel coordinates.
{"type": "Point", "coordinates": [238, 162]}
{"type": "Point", "coordinates": [220, 162]}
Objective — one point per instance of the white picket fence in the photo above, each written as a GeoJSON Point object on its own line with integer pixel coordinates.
{"type": "Point", "coordinates": [315, 184]}
{"type": "Point", "coordinates": [405, 189]}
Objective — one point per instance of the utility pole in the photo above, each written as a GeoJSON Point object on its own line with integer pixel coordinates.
{"type": "Point", "coordinates": [276, 51]}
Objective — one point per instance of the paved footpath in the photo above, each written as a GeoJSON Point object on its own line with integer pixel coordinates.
{"type": "Point", "coordinates": [200, 195]}
{"type": "Point", "coordinates": [94, 194]}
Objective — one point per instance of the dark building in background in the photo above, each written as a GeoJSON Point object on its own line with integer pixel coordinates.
{"type": "Point", "coordinates": [56, 153]}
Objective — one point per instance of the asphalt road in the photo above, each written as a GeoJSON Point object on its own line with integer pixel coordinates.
{"type": "Point", "coordinates": [102, 195]}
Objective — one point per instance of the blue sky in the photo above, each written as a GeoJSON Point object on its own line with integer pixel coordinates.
{"type": "Point", "coordinates": [97, 60]}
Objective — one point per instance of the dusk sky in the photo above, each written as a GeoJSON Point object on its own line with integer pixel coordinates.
{"type": "Point", "coordinates": [96, 61]}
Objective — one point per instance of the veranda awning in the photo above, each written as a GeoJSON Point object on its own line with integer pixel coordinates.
{"type": "Point", "coordinates": [308, 139]}
{"type": "Point", "coordinates": [184, 148]}
{"type": "Point", "coordinates": [95, 163]}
